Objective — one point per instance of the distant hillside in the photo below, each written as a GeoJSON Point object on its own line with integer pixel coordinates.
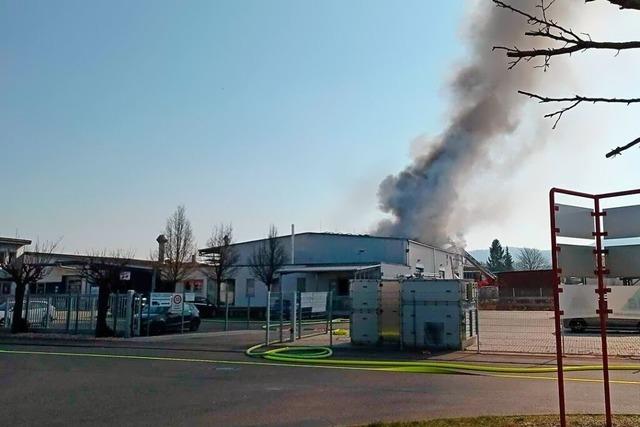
{"type": "Point", "coordinates": [482, 255]}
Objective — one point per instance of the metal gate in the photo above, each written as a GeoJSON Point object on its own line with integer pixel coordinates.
{"type": "Point", "coordinates": [76, 313]}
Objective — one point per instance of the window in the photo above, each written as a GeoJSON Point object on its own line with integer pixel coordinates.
{"type": "Point", "coordinates": [301, 284]}
{"type": "Point", "coordinates": [251, 288]}
{"type": "Point", "coordinates": [193, 285]}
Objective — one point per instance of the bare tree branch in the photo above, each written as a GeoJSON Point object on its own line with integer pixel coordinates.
{"type": "Point", "coordinates": [575, 101]}
{"type": "Point", "coordinates": [222, 256]}
{"type": "Point", "coordinates": [623, 4]}
{"type": "Point", "coordinates": [566, 42]}
{"type": "Point", "coordinates": [267, 258]}
{"type": "Point", "coordinates": [179, 250]}
{"type": "Point", "coordinates": [545, 27]}
{"type": "Point", "coordinates": [619, 150]}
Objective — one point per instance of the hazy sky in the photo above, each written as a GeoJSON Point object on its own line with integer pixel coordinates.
{"type": "Point", "coordinates": [256, 112]}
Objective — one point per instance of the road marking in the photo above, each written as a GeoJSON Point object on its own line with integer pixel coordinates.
{"type": "Point", "coordinates": [585, 380]}
{"type": "Point", "coordinates": [295, 365]}
{"type": "Point", "coordinates": [180, 359]}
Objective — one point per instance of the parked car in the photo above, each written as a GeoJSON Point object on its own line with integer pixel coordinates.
{"type": "Point", "coordinates": [205, 307]}
{"type": "Point", "coordinates": [37, 312]}
{"type": "Point", "coordinates": [583, 323]}
{"type": "Point", "coordinates": [160, 319]}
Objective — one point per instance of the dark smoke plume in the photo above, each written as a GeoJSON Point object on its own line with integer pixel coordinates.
{"type": "Point", "coordinates": [486, 106]}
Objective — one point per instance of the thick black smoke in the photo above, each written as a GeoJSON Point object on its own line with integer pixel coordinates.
{"type": "Point", "coordinates": [423, 197]}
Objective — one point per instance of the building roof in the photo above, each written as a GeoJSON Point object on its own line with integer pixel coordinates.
{"type": "Point", "coordinates": [321, 233]}
{"type": "Point", "coordinates": [479, 265]}
{"type": "Point", "coordinates": [324, 268]}
{"type": "Point", "coordinates": [12, 241]}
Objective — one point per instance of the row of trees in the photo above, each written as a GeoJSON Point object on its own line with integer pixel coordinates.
{"type": "Point", "coordinates": [526, 259]}
{"type": "Point", "coordinates": [175, 263]}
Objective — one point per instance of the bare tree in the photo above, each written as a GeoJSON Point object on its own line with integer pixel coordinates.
{"type": "Point", "coordinates": [222, 256]}
{"type": "Point", "coordinates": [267, 258]}
{"type": "Point", "coordinates": [23, 270]}
{"type": "Point", "coordinates": [179, 249]}
{"type": "Point", "coordinates": [531, 259]}
{"type": "Point", "coordinates": [104, 269]}
{"type": "Point", "coordinates": [565, 41]}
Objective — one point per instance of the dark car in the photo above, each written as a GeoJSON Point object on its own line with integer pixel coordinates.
{"type": "Point", "coordinates": [205, 307]}
{"type": "Point", "coordinates": [584, 323]}
{"type": "Point", "coordinates": [159, 320]}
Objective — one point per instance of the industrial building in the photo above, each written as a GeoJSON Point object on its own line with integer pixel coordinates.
{"type": "Point", "coordinates": [319, 262]}
{"type": "Point", "coordinates": [64, 275]}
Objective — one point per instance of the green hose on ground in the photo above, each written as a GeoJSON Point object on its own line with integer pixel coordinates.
{"type": "Point", "coordinates": [317, 355]}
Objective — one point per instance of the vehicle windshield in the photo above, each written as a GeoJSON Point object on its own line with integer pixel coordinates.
{"type": "Point", "coordinates": [157, 309]}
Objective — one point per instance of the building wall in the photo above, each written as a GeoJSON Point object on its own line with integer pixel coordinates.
{"type": "Point", "coordinates": [435, 261]}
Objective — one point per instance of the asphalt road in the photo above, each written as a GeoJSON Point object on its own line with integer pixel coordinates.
{"type": "Point", "coordinates": [209, 381]}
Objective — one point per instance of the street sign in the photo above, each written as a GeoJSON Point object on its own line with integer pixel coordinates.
{"type": "Point", "coordinates": [189, 297]}
{"type": "Point", "coordinates": [161, 299]}
{"type": "Point", "coordinates": [125, 275]}
{"type": "Point", "coordinates": [176, 303]}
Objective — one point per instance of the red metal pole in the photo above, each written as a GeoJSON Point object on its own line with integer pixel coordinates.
{"type": "Point", "coordinates": [556, 303]}
{"type": "Point", "coordinates": [602, 311]}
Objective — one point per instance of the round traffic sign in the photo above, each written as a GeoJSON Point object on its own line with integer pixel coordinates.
{"type": "Point", "coordinates": [177, 299]}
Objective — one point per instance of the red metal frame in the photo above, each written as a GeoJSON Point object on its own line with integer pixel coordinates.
{"type": "Point", "coordinates": [603, 310]}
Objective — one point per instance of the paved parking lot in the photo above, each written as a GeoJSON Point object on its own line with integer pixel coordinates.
{"type": "Point", "coordinates": [533, 332]}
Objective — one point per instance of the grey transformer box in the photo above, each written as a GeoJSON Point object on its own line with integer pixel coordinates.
{"type": "Point", "coordinates": [436, 314]}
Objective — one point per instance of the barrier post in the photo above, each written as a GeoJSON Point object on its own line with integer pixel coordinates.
{"type": "Point", "coordinates": [556, 303]}
{"type": "Point", "coordinates": [603, 309]}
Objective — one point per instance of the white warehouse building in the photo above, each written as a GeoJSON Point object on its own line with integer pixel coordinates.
{"type": "Point", "coordinates": [320, 262]}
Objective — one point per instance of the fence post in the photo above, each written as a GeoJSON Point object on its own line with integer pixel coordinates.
{"type": "Point", "coordinates": [294, 309]}
{"type": "Point", "coordinates": [77, 311]}
{"type": "Point", "coordinates": [7, 321]}
{"type": "Point", "coordinates": [114, 312]}
{"type": "Point", "coordinates": [330, 319]}
{"type": "Point", "coordinates": [477, 330]}
{"type": "Point", "coordinates": [299, 300]}
{"type": "Point", "coordinates": [47, 314]}
{"type": "Point", "coordinates": [182, 312]}
{"type": "Point", "coordinates": [129, 314]}
{"type": "Point", "coordinates": [248, 312]}
{"type": "Point", "coordinates": [226, 306]}
{"type": "Point", "coordinates": [139, 312]}
{"type": "Point", "coordinates": [326, 329]}
{"type": "Point", "coordinates": [68, 319]}
{"type": "Point", "coordinates": [282, 312]}
{"type": "Point", "coordinates": [268, 317]}
{"type": "Point", "coordinates": [415, 321]}
{"type": "Point", "coordinates": [148, 314]}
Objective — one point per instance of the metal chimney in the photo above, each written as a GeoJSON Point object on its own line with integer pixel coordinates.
{"type": "Point", "coordinates": [162, 241]}
{"type": "Point", "coordinates": [293, 244]}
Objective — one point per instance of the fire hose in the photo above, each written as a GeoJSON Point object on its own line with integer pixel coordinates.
{"type": "Point", "coordinates": [317, 355]}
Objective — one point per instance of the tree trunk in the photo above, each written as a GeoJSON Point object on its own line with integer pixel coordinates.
{"type": "Point", "coordinates": [18, 323]}
{"type": "Point", "coordinates": [102, 329]}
